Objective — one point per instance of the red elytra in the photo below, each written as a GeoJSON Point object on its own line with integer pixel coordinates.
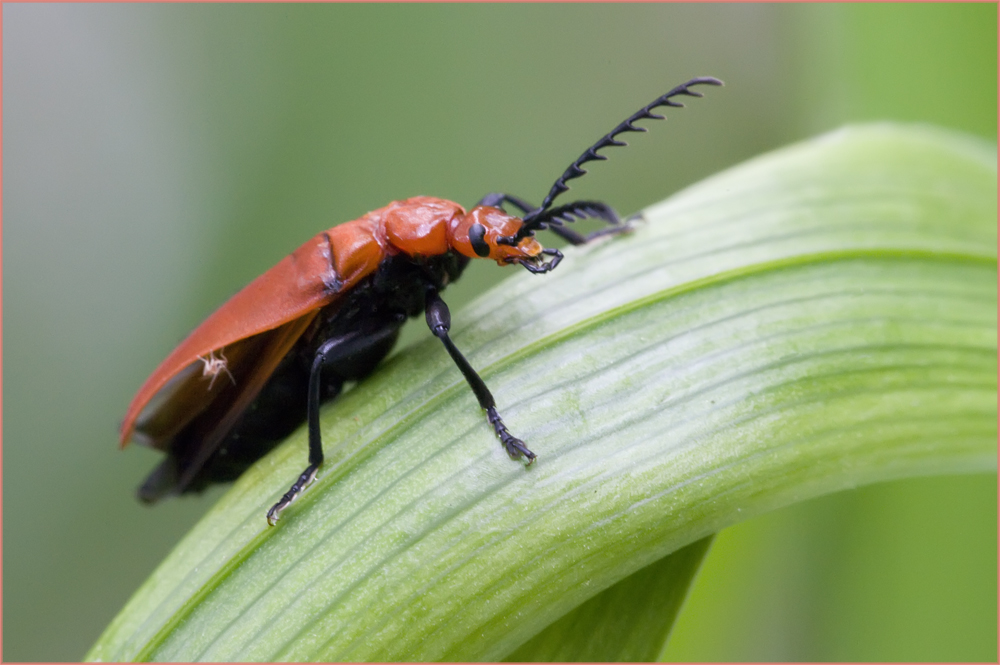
{"type": "Point", "coordinates": [328, 313]}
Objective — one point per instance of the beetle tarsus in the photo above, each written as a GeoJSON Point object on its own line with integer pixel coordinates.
{"type": "Point", "coordinates": [513, 445]}
{"type": "Point", "coordinates": [304, 481]}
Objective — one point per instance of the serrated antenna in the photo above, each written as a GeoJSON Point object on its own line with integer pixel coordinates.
{"type": "Point", "coordinates": [535, 220]}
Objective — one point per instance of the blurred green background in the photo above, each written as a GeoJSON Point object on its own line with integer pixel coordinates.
{"type": "Point", "coordinates": [158, 157]}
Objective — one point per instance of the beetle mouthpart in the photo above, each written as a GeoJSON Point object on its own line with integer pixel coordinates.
{"type": "Point", "coordinates": [535, 264]}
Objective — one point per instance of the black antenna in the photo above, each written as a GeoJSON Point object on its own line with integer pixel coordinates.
{"type": "Point", "coordinates": [537, 219]}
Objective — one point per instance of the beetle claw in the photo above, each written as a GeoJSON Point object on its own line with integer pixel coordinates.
{"type": "Point", "coordinates": [513, 445]}
{"type": "Point", "coordinates": [517, 449]}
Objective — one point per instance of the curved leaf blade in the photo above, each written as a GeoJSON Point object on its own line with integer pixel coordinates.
{"type": "Point", "coordinates": [817, 318]}
{"type": "Point", "coordinates": [629, 622]}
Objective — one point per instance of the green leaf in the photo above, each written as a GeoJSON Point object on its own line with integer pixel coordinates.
{"type": "Point", "coordinates": [818, 318]}
{"type": "Point", "coordinates": [629, 622]}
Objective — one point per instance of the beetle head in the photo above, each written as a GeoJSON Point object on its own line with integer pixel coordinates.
{"type": "Point", "coordinates": [480, 234]}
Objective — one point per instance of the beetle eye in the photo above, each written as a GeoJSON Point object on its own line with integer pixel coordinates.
{"type": "Point", "coordinates": [477, 236]}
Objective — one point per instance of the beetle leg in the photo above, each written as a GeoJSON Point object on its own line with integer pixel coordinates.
{"type": "Point", "coordinates": [577, 238]}
{"type": "Point", "coordinates": [315, 439]}
{"type": "Point", "coordinates": [333, 350]}
{"type": "Point", "coordinates": [497, 199]}
{"type": "Point", "coordinates": [439, 321]}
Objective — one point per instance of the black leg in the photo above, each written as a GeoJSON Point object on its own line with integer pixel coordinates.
{"type": "Point", "coordinates": [333, 350]}
{"type": "Point", "coordinates": [439, 321]}
{"type": "Point", "coordinates": [497, 199]}
{"type": "Point", "coordinates": [577, 238]}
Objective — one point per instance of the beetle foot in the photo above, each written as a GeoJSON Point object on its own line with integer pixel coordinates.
{"type": "Point", "coordinates": [304, 481]}
{"type": "Point", "coordinates": [513, 445]}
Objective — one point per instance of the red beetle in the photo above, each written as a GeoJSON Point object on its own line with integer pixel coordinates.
{"type": "Point", "coordinates": [328, 313]}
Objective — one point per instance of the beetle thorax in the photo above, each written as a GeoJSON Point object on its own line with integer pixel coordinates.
{"type": "Point", "coordinates": [419, 226]}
